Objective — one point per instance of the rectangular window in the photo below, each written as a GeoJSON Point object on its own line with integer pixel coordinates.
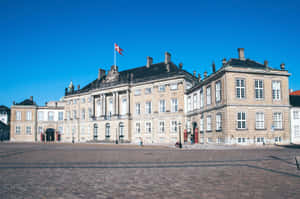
{"type": "Point", "coordinates": [240, 88]}
{"type": "Point", "coordinates": [148, 107]}
{"type": "Point", "coordinates": [276, 90]}
{"type": "Point", "coordinates": [148, 90]}
{"type": "Point", "coordinates": [174, 107]}
{"type": "Point", "coordinates": [138, 108]}
{"type": "Point", "coordinates": [137, 128]}
{"type": "Point", "coordinates": [162, 106]}
{"type": "Point", "coordinates": [195, 101]}
{"type": "Point", "coordinates": [110, 107]}
{"type": "Point", "coordinates": [174, 86]}
{"type": "Point", "coordinates": [124, 106]}
{"type": "Point", "coordinates": [259, 89]}
{"type": "Point", "coordinates": [68, 115]}
{"type": "Point", "coordinates": [296, 115]}
{"type": "Point", "coordinates": [218, 122]}
{"type": "Point", "coordinates": [40, 116]}
{"type": "Point", "coordinates": [162, 88]}
{"type": "Point", "coordinates": [60, 130]}
{"type": "Point", "coordinates": [161, 126]}
{"type": "Point", "coordinates": [297, 130]}
{"type": "Point", "coordinates": [218, 91]}
{"type": "Point", "coordinates": [148, 127]}
{"type": "Point", "coordinates": [50, 115]}
{"type": "Point", "coordinates": [277, 120]}
{"type": "Point", "coordinates": [28, 129]}
{"type": "Point", "coordinates": [90, 112]}
{"type": "Point", "coordinates": [189, 103]}
{"type": "Point", "coordinates": [28, 115]}
{"type": "Point", "coordinates": [201, 124]}
{"type": "Point", "coordinates": [60, 115]}
{"type": "Point", "coordinates": [98, 108]}
{"type": "Point", "coordinates": [18, 130]}
{"type": "Point", "coordinates": [74, 114]}
{"type": "Point", "coordinates": [82, 100]}
{"type": "Point", "coordinates": [260, 140]}
{"type": "Point", "coordinates": [40, 130]}
{"type": "Point", "coordinates": [208, 123]}
{"type": "Point", "coordinates": [201, 98]}
{"type": "Point", "coordinates": [260, 121]}
{"type": "Point", "coordinates": [241, 120]}
{"type": "Point", "coordinates": [241, 140]}
{"type": "Point", "coordinates": [18, 115]}
{"type": "Point", "coordinates": [137, 92]}
{"type": "Point", "coordinates": [173, 126]}
{"type": "Point", "coordinates": [83, 114]}
{"type": "Point", "coordinates": [208, 95]}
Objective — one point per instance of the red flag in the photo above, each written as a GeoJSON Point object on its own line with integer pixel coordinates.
{"type": "Point", "coordinates": [118, 49]}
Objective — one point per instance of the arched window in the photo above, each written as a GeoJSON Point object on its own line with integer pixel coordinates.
{"type": "Point", "coordinates": [107, 130]}
{"type": "Point", "coordinates": [95, 131]}
{"type": "Point", "coordinates": [121, 129]}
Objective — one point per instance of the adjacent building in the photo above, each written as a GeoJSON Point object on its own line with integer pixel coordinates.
{"type": "Point", "coordinates": [4, 123]}
{"type": "Point", "coordinates": [295, 117]}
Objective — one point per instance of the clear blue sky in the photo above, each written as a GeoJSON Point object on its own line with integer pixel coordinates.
{"type": "Point", "coordinates": [45, 44]}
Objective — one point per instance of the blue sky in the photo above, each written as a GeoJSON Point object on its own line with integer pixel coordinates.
{"type": "Point", "coordinates": [45, 44]}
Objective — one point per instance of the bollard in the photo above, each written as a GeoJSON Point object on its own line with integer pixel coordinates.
{"type": "Point", "coordinates": [297, 162]}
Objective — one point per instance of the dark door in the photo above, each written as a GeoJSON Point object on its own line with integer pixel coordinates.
{"type": "Point", "coordinates": [50, 135]}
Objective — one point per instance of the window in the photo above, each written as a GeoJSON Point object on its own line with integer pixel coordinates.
{"type": "Point", "coordinates": [89, 99]}
{"type": "Point", "coordinates": [218, 91]}
{"type": "Point", "coordinates": [40, 116]}
{"type": "Point", "coordinates": [161, 126]}
{"type": "Point", "coordinates": [137, 128]}
{"type": "Point", "coordinates": [138, 108]}
{"type": "Point", "coordinates": [260, 140]}
{"type": "Point", "coordinates": [201, 98]}
{"type": "Point", "coordinates": [28, 115]}
{"type": "Point", "coordinates": [137, 92]}
{"type": "Point", "coordinates": [276, 90]}
{"type": "Point", "coordinates": [40, 130]}
{"type": "Point", "coordinates": [173, 126]}
{"type": "Point", "coordinates": [107, 130]}
{"type": "Point", "coordinates": [241, 120]}
{"type": "Point", "coordinates": [96, 131]}
{"type": "Point", "coordinates": [277, 120]}
{"type": "Point", "coordinates": [74, 114]}
{"type": "Point", "coordinates": [98, 108]}
{"type": "Point", "coordinates": [201, 124]}
{"type": "Point", "coordinates": [28, 129]}
{"type": "Point", "coordinates": [259, 89]}
{"type": "Point", "coordinates": [110, 106]}
{"type": "Point", "coordinates": [195, 101]}
{"type": "Point", "coordinates": [162, 106]}
{"type": "Point", "coordinates": [174, 86]}
{"type": "Point", "coordinates": [208, 95]}
{"type": "Point", "coordinates": [50, 115]}
{"type": "Point", "coordinates": [208, 123]}
{"type": "Point", "coordinates": [148, 127]}
{"type": "Point", "coordinates": [60, 116]}
{"type": "Point", "coordinates": [161, 88]}
{"type": "Point", "coordinates": [82, 130]}
{"type": "Point", "coordinates": [260, 121]}
{"type": "Point", "coordinates": [18, 115]}
{"type": "Point", "coordinates": [18, 130]}
{"type": "Point", "coordinates": [297, 130]}
{"type": "Point", "coordinates": [74, 101]}
{"type": "Point", "coordinates": [82, 100]}
{"type": "Point", "coordinates": [278, 139]}
{"type": "Point", "coordinates": [218, 122]}
{"type": "Point", "coordinates": [296, 115]}
{"type": "Point", "coordinates": [148, 90]}
{"type": "Point", "coordinates": [121, 129]}
{"type": "Point", "coordinates": [148, 107]}
{"type": "Point", "coordinates": [240, 88]}
{"type": "Point", "coordinates": [68, 115]}
{"type": "Point", "coordinates": [241, 140]}
{"type": "Point", "coordinates": [124, 106]}
{"type": "Point", "coordinates": [189, 103]}
{"type": "Point", "coordinates": [90, 112]}
{"type": "Point", "coordinates": [174, 107]}
{"type": "Point", "coordinates": [83, 114]}
{"type": "Point", "coordinates": [60, 130]}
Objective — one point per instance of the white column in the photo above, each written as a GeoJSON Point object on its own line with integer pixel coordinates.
{"type": "Point", "coordinates": [128, 102]}
{"type": "Point", "coordinates": [117, 104]}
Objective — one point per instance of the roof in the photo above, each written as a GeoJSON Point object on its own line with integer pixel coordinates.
{"type": "Point", "coordinates": [135, 75]}
{"type": "Point", "coordinates": [4, 108]}
{"type": "Point", "coordinates": [295, 93]}
{"type": "Point", "coordinates": [3, 125]}
{"type": "Point", "coordinates": [26, 102]}
{"type": "Point", "coordinates": [247, 63]}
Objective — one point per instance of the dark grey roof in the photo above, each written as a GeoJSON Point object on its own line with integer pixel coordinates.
{"type": "Point", "coordinates": [4, 108]}
{"type": "Point", "coordinates": [248, 63]}
{"type": "Point", "coordinates": [139, 74]}
{"type": "Point", "coordinates": [295, 100]}
{"type": "Point", "coordinates": [26, 102]}
{"type": "Point", "coordinates": [3, 125]}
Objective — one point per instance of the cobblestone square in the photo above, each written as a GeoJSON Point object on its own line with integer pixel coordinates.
{"type": "Point", "coordinates": [128, 171]}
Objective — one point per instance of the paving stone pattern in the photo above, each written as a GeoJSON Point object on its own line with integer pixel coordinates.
{"type": "Point", "coordinates": [126, 171]}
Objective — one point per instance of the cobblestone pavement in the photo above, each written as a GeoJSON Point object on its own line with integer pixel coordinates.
{"type": "Point", "coordinates": [127, 171]}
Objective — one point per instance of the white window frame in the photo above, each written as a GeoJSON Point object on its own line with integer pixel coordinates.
{"type": "Point", "coordinates": [148, 107]}
{"type": "Point", "coordinates": [83, 114]}
{"type": "Point", "coordinates": [174, 105]}
{"type": "Point", "coordinates": [50, 115]}
{"type": "Point", "coordinates": [195, 101]}
{"type": "Point", "coordinates": [40, 116]}
{"type": "Point", "coordinates": [218, 91]}
{"type": "Point", "coordinates": [208, 123]}
{"type": "Point", "coordinates": [277, 120]}
{"type": "Point", "coordinates": [60, 115]}
{"type": "Point", "coordinates": [296, 115]}
{"type": "Point", "coordinates": [201, 123]}
{"type": "Point", "coordinates": [162, 106]}
{"type": "Point", "coordinates": [161, 126]}
{"type": "Point", "coordinates": [137, 108]}
{"type": "Point", "coordinates": [148, 127]}
{"type": "Point", "coordinates": [161, 88]}
{"type": "Point", "coordinates": [240, 89]}
{"type": "Point", "coordinates": [137, 92]}
{"type": "Point", "coordinates": [259, 89]}
{"type": "Point", "coordinates": [259, 120]}
{"type": "Point", "coordinates": [18, 115]}
{"type": "Point", "coordinates": [276, 90]}
{"type": "Point", "coordinates": [189, 103]}
{"type": "Point", "coordinates": [18, 130]}
{"type": "Point", "coordinates": [28, 130]}
{"type": "Point", "coordinates": [124, 106]}
{"type": "Point", "coordinates": [242, 120]}
{"type": "Point", "coordinates": [174, 86]}
{"type": "Point", "coordinates": [137, 128]}
{"type": "Point", "coordinates": [208, 95]}
{"type": "Point", "coordinates": [201, 98]}
{"type": "Point", "coordinates": [218, 122]}
{"type": "Point", "coordinates": [148, 90]}
{"type": "Point", "coordinates": [28, 115]}
{"type": "Point", "coordinates": [174, 126]}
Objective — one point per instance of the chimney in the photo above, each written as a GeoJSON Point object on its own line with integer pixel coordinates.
{"type": "Point", "coordinates": [31, 98]}
{"type": "Point", "coordinates": [282, 66]}
{"type": "Point", "coordinates": [46, 103]}
{"type": "Point", "coordinates": [78, 87]}
{"type": "Point", "coordinates": [194, 73]}
{"type": "Point", "coordinates": [180, 66]}
{"type": "Point", "coordinates": [199, 77]}
{"type": "Point", "coordinates": [205, 74]}
{"type": "Point", "coordinates": [213, 67]}
{"type": "Point", "coordinates": [101, 73]}
{"type": "Point", "coordinates": [167, 57]}
{"type": "Point", "coordinates": [224, 61]}
{"type": "Point", "coordinates": [149, 61]}
{"type": "Point", "coordinates": [14, 103]}
{"type": "Point", "coordinates": [66, 91]}
{"type": "Point", "coordinates": [241, 53]}
{"type": "Point", "coordinates": [290, 90]}
{"type": "Point", "coordinates": [266, 63]}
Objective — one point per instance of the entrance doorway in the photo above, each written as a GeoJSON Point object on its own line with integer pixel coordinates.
{"type": "Point", "coordinates": [50, 135]}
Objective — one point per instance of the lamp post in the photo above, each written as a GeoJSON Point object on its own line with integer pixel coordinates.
{"type": "Point", "coordinates": [116, 135]}
{"type": "Point", "coordinates": [180, 145]}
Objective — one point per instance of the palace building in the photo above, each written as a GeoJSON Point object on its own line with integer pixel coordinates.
{"type": "Point", "coordinates": [243, 102]}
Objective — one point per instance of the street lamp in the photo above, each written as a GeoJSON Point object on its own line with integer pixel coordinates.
{"type": "Point", "coordinates": [116, 135]}
{"type": "Point", "coordinates": [180, 145]}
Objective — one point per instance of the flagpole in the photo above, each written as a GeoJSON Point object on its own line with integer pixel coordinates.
{"type": "Point", "coordinates": [115, 59]}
